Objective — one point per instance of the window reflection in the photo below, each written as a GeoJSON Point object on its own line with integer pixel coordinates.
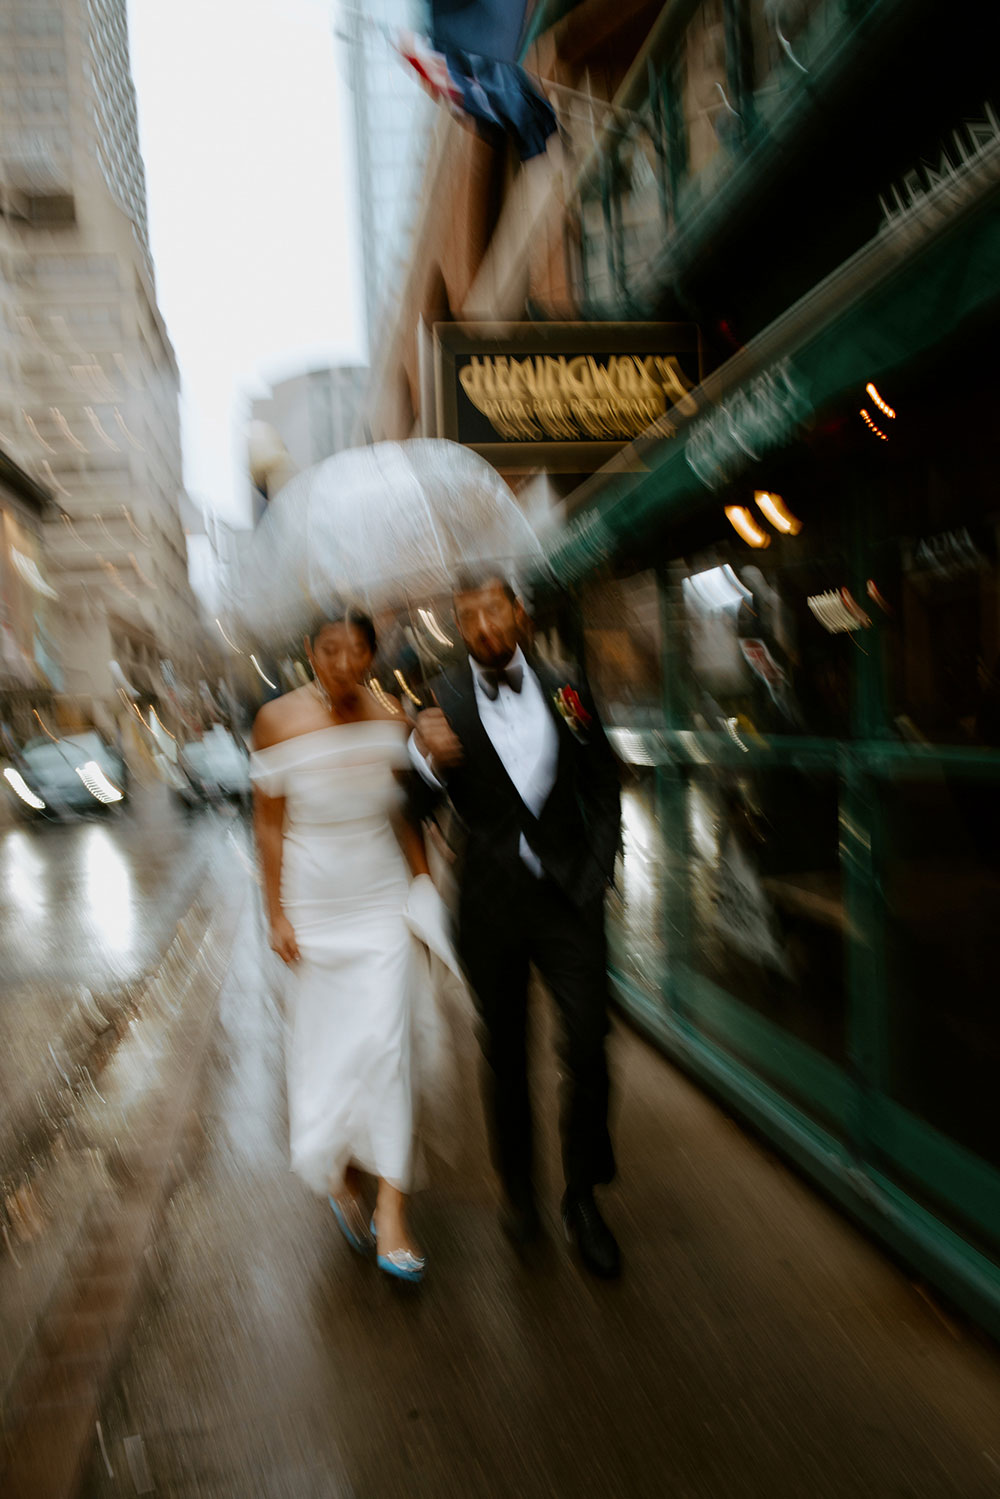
{"type": "Point", "coordinates": [757, 654]}
{"type": "Point", "coordinates": [636, 926]}
{"type": "Point", "coordinates": [767, 917]}
{"type": "Point", "coordinates": [741, 650]}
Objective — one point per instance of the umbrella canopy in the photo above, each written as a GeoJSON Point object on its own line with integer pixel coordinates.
{"type": "Point", "coordinates": [379, 527]}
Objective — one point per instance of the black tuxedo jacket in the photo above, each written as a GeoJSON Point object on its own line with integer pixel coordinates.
{"type": "Point", "coordinates": [576, 836]}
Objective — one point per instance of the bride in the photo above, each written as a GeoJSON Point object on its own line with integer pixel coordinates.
{"type": "Point", "coordinates": [338, 855]}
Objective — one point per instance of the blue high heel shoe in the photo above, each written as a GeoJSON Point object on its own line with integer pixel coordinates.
{"type": "Point", "coordinates": [403, 1264]}
{"type": "Point", "coordinates": [361, 1243]}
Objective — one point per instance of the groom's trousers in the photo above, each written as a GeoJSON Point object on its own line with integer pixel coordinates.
{"type": "Point", "coordinates": [499, 939]}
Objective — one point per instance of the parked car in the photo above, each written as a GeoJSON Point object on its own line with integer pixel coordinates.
{"type": "Point", "coordinates": [217, 767]}
{"type": "Point", "coordinates": [66, 777]}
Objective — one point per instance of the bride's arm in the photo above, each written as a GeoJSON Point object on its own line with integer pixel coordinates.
{"type": "Point", "coordinates": [411, 841]}
{"type": "Point", "coordinates": [269, 831]}
{"type": "Point", "coordinates": [269, 828]}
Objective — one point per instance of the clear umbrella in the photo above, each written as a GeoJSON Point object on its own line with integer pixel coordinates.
{"type": "Point", "coordinates": [379, 527]}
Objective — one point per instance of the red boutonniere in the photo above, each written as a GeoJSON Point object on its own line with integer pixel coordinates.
{"type": "Point", "coordinates": [578, 720]}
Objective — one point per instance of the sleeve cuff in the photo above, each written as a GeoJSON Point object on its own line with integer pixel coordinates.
{"type": "Point", "coordinates": [422, 764]}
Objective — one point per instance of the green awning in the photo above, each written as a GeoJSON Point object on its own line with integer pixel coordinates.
{"type": "Point", "coordinates": [905, 292]}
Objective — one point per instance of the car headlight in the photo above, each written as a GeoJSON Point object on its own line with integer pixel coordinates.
{"type": "Point", "coordinates": [97, 783]}
{"type": "Point", "coordinates": [16, 781]}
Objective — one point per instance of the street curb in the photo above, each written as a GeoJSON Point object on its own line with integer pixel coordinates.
{"type": "Point", "coordinates": [55, 1401]}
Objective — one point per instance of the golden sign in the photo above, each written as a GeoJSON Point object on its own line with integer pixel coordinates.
{"type": "Point", "coordinates": [567, 399]}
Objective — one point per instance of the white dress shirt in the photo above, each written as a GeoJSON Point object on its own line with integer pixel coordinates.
{"type": "Point", "coordinates": [521, 730]}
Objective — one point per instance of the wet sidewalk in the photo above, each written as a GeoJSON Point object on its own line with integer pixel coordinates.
{"type": "Point", "coordinates": [87, 910]}
{"type": "Point", "coordinates": [757, 1346]}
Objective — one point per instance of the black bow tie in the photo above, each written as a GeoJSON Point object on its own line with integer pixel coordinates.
{"type": "Point", "coordinates": [492, 681]}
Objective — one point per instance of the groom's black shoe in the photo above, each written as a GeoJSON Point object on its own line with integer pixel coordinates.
{"type": "Point", "coordinates": [520, 1222]}
{"type": "Point", "coordinates": [595, 1243]}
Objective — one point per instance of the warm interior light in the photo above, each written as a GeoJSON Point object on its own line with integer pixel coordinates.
{"type": "Point", "coordinates": [873, 593]}
{"type": "Point", "coordinates": [838, 611]}
{"type": "Point", "coordinates": [777, 512]}
{"type": "Point", "coordinates": [866, 418]}
{"type": "Point", "coordinates": [742, 521]}
{"type": "Point", "coordinates": [883, 406]}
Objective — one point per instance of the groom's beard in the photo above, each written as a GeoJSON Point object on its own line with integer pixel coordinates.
{"type": "Point", "coordinates": [493, 659]}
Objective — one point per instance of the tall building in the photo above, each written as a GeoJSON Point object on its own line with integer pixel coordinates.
{"type": "Point", "coordinates": [392, 127]}
{"type": "Point", "coordinates": [27, 667]}
{"type": "Point", "coordinates": [315, 414]}
{"type": "Point", "coordinates": [88, 379]}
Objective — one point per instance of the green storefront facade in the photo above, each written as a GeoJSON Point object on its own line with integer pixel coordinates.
{"type": "Point", "coordinates": [808, 914]}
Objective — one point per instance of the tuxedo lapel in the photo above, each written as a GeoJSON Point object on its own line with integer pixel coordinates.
{"type": "Point", "coordinates": [462, 711]}
{"type": "Point", "coordinates": [549, 688]}
{"type": "Point", "coordinates": [463, 714]}
{"type": "Point", "coordinates": [575, 834]}
{"type": "Point", "coordinates": [550, 685]}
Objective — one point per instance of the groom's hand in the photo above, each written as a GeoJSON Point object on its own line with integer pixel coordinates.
{"type": "Point", "coordinates": [437, 738]}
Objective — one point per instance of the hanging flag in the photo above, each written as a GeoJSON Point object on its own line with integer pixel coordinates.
{"type": "Point", "coordinates": [488, 28]}
{"type": "Point", "coordinates": [471, 66]}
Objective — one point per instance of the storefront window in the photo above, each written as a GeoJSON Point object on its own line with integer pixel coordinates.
{"type": "Point", "coordinates": [623, 645]}
{"type": "Point", "coordinates": [767, 922]}
{"type": "Point", "coordinates": [942, 902]}
{"type": "Point", "coordinates": [624, 218]}
{"type": "Point", "coordinates": [636, 925]}
{"type": "Point", "coordinates": [786, 35]}
{"type": "Point", "coordinates": [763, 657]}
{"type": "Point", "coordinates": [702, 75]}
{"type": "Point", "coordinates": [944, 646]}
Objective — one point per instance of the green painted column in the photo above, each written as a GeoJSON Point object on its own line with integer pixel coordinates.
{"type": "Point", "coordinates": [862, 839]}
{"type": "Point", "coordinates": [672, 790]}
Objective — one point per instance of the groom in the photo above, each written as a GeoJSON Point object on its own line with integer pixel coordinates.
{"type": "Point", "coordinates": [533, 780]}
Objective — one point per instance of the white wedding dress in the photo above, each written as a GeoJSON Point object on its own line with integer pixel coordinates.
{"type": "Point", "coordinates": [366, 1048]}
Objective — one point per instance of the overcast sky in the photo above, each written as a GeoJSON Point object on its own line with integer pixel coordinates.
{"type": "Point", "coordinates": [244, 117]}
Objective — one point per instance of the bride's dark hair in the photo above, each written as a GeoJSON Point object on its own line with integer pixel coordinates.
{"type": "Point", "coordinates": [339, 614]}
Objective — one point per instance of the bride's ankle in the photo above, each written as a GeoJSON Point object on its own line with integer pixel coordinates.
{"type": "Point", "coordinates": [352, 1183]}
{"type": "Point", "coordinates": [392, 1231]}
